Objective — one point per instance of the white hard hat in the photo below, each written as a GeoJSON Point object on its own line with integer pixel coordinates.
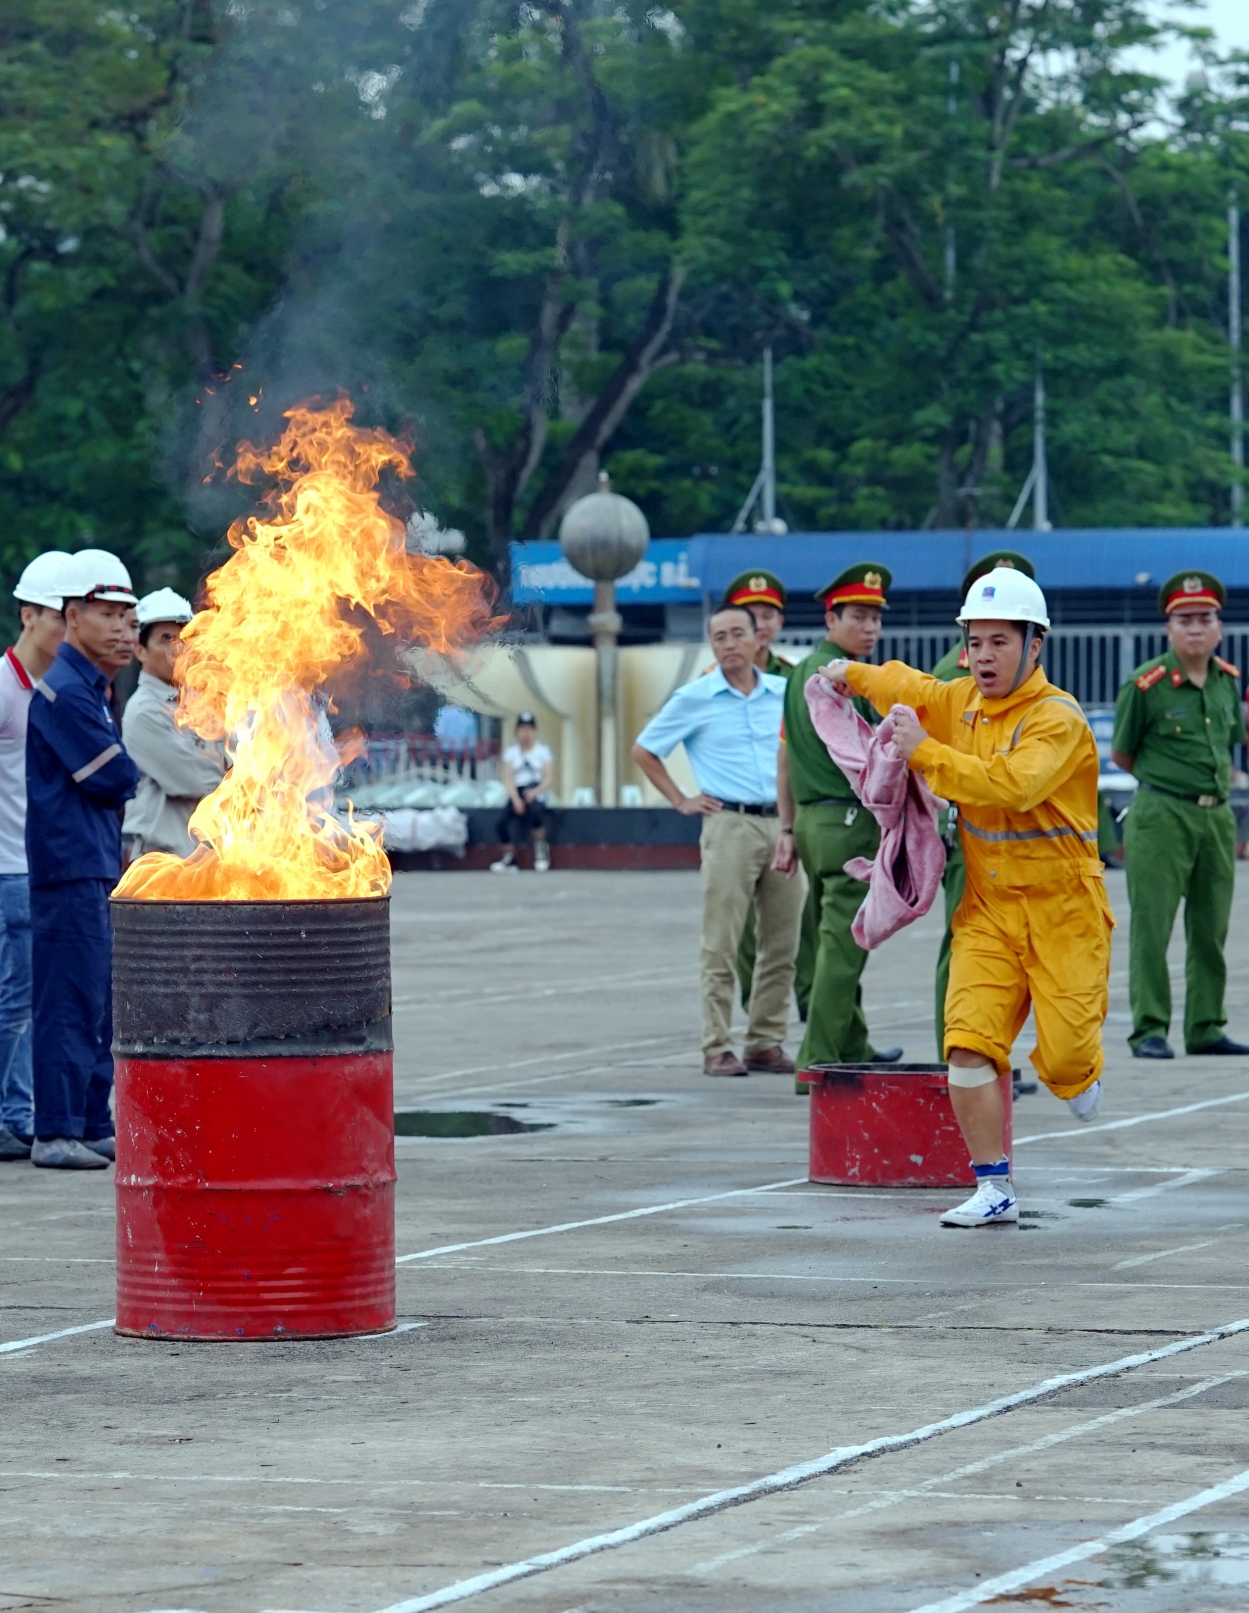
{"type": "Point", "coordinates": [164, 606]}
{"type": "Point", "coordinates": [1004, 595]}
{"type": "Point", "coordinates": [96, 574]}
{"type": "Point", "coordinates": [40, 583]}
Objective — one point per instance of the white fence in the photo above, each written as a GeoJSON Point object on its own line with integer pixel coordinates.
{"type": "Point", "coordinates": [1089, 662]}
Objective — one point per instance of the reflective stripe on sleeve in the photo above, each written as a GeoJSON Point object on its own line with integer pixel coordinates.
{"type": "Point", "coordinates": [96, 763]}
{"type": "Point", "coordinates": [48, 694]}
{"type": "Point", "coordinates": [995, 835]}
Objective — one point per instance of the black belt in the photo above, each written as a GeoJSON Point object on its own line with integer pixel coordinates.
{"type": "Point", "coordinates": [752, 809]}
{"type": "Point", "coordinates": [1197, 800]}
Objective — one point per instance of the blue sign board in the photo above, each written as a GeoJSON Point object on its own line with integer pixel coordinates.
{"type": "Point", "coordinates": [667, 574]}
{"type": "Point", "coordinates": [676, 570]}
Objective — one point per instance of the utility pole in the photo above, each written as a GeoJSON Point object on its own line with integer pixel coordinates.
{"type": "Point", "coordinates": [1234, 337]}
{"type": "Point", "coordinates": [1038, 481]}
{"type": "Point", "coordinates": [763, 490]}
{"type": "Point", "coordinates": [951, 242]}
{"type": "Point", "coordinates": [1041, 491]}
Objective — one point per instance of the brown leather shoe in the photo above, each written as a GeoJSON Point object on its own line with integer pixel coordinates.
{"type": "Point", "coordinates": [723, 1064]}
{"type": "Point", "coordinates": [770, 1061]}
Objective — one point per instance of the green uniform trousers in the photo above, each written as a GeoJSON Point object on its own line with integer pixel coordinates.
{"type": "Point", "coordinates": [1175, 850]}
{"type": "Point", "coordinates": [804, 964]}
{"type": "Point", "coordinates": [953, 883]}
{"type": "Point", "coordinates": [836, 1028]}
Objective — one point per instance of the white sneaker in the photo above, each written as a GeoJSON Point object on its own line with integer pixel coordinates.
{"type": "Point", "coordinates": [66, 1154]}
{"type": "Point", "coordinates": [505, 865]}
{"type": "Point", "coordinates": [541, 858]}
{"type": "Point", "coordinates": [1087, 1103]}
{"type": "Point", "coordinates": [992, 1204]}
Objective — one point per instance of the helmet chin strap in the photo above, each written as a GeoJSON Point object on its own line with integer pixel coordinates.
{"type": "Point", "coordinates": [1028, 636]}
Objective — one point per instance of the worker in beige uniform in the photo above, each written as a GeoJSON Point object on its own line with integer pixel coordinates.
{"type": "Point", "coordinates": [179, 768]}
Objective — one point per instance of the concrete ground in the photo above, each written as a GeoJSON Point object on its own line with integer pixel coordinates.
{"type": "Point", "coordinates": [604, 1373]}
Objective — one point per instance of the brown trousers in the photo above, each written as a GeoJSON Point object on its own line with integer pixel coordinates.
{"type": "Point", "coordinates": [737, 873]}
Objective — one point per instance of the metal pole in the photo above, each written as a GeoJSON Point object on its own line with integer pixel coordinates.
{"type": "Point", "coordinates": [1040, 489]}
{"type": "Point", "coordinates": [605, 624]}
{"type": "Point", "coordinates": [1234, 336]}
{"type": "Point", "coordinates": [951, 241]}
{"type": "Point", "coordinates": [768, 473]}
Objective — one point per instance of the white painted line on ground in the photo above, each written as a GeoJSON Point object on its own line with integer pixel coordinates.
{"type": "Point", "coordinates": [753, 1276]}
{"type": "Point", "coordinates": [790, 1478]}
{"type": "Point", "coordinates": [989, 1589]}
{"type": "Point", "coordinates": [1161, 1254]}
{"type": "Point", "coordinates": [544, 1058]}
{"type": "Point", "coordinates": [891, 1498]}
{"type": "Point", "coordinates": [46, 1338]}
{"type": "Point", "coordinates": [594, 1221]}
{"type": "Point", "coordinates": [1077, 1130]}
{"type": "Point", "coordinates": [467, 998]}
{"type": "Point", "coordinates": [1162, 1187]}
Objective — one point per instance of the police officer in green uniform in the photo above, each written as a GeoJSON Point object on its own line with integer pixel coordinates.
{"type": "Point", "coordinates": [765, 595]}
{"type": "Point", "coordinates": [953, 664]}
{"type": "Point", "coordinates": [1176, 719]}
{"type": "Point", "coordinates": [823, 824]}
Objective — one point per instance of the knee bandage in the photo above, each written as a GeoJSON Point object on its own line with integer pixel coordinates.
{"type": "Point", "coordinates": [980, 1076]}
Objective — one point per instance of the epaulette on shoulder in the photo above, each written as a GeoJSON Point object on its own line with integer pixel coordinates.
{"type": "Point", "coordinates": [1232, 671]}
{"type": "Point", "coordinates": [1145, 680]}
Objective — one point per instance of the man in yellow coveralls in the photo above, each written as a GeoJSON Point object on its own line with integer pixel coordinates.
{"type": "Point", "coordinates": [1033, 928]}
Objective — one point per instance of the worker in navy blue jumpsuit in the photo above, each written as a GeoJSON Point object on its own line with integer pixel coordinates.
{"type": "Point", "coordinates": [78, 778]}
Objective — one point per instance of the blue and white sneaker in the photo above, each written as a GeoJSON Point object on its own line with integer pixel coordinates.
{"type": "Point", "coordinates": [992, 1204]}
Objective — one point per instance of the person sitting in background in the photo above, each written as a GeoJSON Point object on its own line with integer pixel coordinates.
{"type": "Point", "coordinates": [179, 768]}
{"type": "Point", "coordinates": [527, 775]}
{"type": "Point", "coordinates": [38, 594]}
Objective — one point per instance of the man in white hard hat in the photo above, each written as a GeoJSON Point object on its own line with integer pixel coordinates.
{"type": "Point", "coordinates": [179, 768]}
{"type": "Point", "coordinates": [38, 594]}
{"type": "Point", "coordinates": [1033, 928]}
{"type": "Point", "coordinates": [78, 776]}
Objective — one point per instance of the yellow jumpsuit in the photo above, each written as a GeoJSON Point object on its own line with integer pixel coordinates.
{"type": "Point", "coordinates": [1033, 928]}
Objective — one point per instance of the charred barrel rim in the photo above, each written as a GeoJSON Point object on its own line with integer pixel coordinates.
{"type": "Point", "coordinates": [243, 979]}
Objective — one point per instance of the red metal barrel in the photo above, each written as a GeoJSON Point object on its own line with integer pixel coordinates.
{"type": "Point", "coordinates": [255, 1119]}
{"type": "Point", "coordinates": [888, 1125]}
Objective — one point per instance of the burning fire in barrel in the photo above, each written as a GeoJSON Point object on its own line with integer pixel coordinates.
{"type": "Point", "coordinates": [251, 997]}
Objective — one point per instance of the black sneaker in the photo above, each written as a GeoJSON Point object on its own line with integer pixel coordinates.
{"type": "Point", "coordinates": [1224, 1047]}
{"type": "Point", "coordinates": [12, 1146]}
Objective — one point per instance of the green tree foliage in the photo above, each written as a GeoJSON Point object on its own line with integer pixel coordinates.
{"type": "Point", "coordinates": [550, 236]}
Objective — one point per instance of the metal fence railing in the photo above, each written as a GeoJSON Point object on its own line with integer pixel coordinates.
{"type": "Point", "coordinates": [1089, 662]}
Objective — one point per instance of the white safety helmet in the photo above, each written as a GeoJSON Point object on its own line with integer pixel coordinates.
{"type": "Point", "coordinates": [96, 574]}
{"type": "Point", "coordinates": [1004, 595]}
{"type": "Point", "coordinates": [164, 606]}
{"type": "Point", "coordinates": [40, 583]}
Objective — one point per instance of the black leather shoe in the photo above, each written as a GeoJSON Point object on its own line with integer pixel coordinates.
{"type": "Point", "coordinates": [1019, 1087]}
{"type": "Point", "coordinates": [887, 1055]}
{"type": "Point", "coordinates": [12, 1146]}
{"type": "Point", "coordinates": [1153, 1047]}
{"type": "Point", "coordinates": [1224, 1046]}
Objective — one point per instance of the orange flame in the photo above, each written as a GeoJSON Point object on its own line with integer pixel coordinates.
{"type": "Point", "coordinates": [277, 625]}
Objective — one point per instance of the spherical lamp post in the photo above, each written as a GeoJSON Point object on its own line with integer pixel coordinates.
{"type": "Point", "coordinates": [603, 536]}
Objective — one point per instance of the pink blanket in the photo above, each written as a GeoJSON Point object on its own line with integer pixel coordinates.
{"type": "Point", "coordinates": [905, 875]}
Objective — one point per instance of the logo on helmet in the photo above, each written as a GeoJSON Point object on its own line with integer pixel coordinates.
{"type": "Point", "coordinates": [990, 592]}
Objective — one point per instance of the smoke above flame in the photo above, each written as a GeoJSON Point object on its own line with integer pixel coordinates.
{"type": "Point", "coordinates": [289, 608]}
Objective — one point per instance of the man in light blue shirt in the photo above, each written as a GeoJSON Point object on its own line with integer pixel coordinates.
{"type": "Point", "coordinates": [730, 722]}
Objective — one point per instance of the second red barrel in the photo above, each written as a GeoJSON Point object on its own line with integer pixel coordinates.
{"type": "Point", "coordinates": [255, 1119]}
